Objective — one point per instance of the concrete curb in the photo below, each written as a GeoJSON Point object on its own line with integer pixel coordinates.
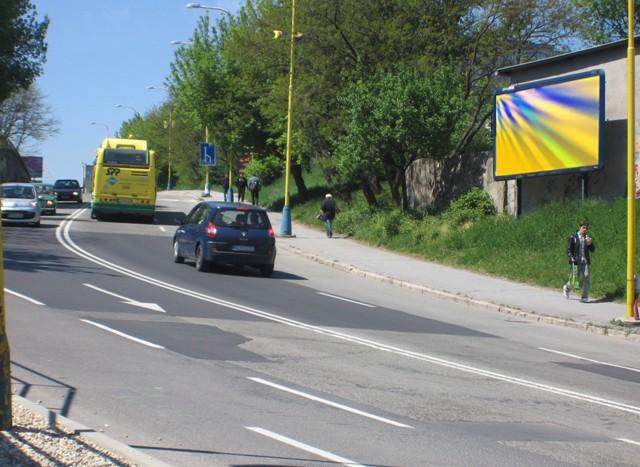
{"type": "Point", "coordinates": [128, 453]}
{"type": "Point", "coordinates": [530, 315]}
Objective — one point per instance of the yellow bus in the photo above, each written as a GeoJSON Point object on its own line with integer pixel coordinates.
{"type": "Point", "coordinates": [124, 180]}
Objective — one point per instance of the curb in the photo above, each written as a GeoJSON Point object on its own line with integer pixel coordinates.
{"type": "Point", "coordinates": [530, 315]}
{"type": "Point", "coordinates": [101, 440]}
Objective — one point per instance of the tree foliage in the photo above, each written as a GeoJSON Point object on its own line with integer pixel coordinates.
{"type": "Point", "coordinates": [25, 118]}
{"type": "Point", "coordinates": [605, 20]}
{"type": "Point", "coordinates": [22, 45]}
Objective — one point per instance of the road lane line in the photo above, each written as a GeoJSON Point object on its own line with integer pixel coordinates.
{"type": "Point", "coordinates": [629, 441]}
{"type": "Point", "coordinates": [328, 402]}
{"type": "Point", "coordinates": [305, 447]}
{"type": "Point", "coordinates": [128, 301]}
{"type": "Point", "coordinates": [122, 334]}
{"type": "Point", "coordinates": [345, 299]}
{"type": "Point", "coordinates": [162, 228]}
{"type": "Point", "coordinates": [24, 297]}
{"type": "Point", "coordinates": [588, 359]}
{"type": "Point", "coordinates": [63, 236]}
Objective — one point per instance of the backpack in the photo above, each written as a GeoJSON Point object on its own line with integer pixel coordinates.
{"type": "Point", "coordinates": [254, 183]}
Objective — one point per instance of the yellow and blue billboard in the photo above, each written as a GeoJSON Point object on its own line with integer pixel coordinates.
{"type": "Point", "coordinates": [550, 126]}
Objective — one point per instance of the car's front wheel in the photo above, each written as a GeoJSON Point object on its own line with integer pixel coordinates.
{"type": "Point", "coordinates": [176, 255]}
{"type": "Point", "coordinates": [202, 264]}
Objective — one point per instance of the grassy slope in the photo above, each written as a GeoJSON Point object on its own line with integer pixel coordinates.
{"type": "Point", "coordinates": [530, 249]}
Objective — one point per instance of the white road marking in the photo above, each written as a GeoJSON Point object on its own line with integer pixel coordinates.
{"type": "Point", "coordinates": [162, 228]}
{"type": "Point", "coordinates": [122, 334]}
{"type": "Point", "coordinates": [170, 199]}
{"type": "Point", "coordinates": [24, 297]}
{"type": "Point", "coordinates": [588, 359]}
{"type": "Point", "coordinates": [327, 402]}
{"type": "Point", "coordinates": [129, 301]}
{"type": "Point", "coordinates": [62, 234]}
{"type": "Point", "coordinates": [305, 447]}
{"type": "Point", "coordinates": [630, 441]}
{"type": "Point", "coordinates": [345, 299]}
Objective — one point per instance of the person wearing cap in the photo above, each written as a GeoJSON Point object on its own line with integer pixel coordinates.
{"type": "Point", "coordinates": [329, 210]}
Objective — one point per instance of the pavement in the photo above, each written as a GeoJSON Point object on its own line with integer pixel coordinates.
{"type": "Point", "coordinates": [420, 276]}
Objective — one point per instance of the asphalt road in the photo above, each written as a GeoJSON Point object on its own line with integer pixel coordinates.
{"type": "Point", "coordinates": [310, 367]}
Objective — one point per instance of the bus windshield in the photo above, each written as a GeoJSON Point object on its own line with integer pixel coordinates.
{"type": "Point", "coordinates": [122, 156]}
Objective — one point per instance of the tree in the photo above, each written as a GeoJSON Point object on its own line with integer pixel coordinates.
{"type": "Point", "coordinates": [22, 45]}
{"type": "Point", "coordinates": [25, 118]}
{"type": "Point", "coordinates": [397, 117]}
{"type": "Point", "coordinates": [605, 20]}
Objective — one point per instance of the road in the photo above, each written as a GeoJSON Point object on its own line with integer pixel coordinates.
{"type": "Point", "coordinates": [310, 367]}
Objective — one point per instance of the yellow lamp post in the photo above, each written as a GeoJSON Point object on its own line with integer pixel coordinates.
{"type": "Point", "coordinates": [631, 185]}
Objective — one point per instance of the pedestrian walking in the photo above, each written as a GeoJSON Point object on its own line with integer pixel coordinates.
{"type": "Point", "coordinates": [225, 186]}
{"type": "Point", "coordinates": [254, 187]}
{"type": "Point", "coordinates": [329, 210]}
{"type": "Point", "coordinates": [579, 247]}
{"type": "Point", "coordinates": [241, 183]}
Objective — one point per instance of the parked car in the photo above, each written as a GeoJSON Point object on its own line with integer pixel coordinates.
{"type": "Point", "coordinates": [20, 204]}
{"type": "Point", "coordinates": [226, 233]}
{"type": "Point", "coordinates": [48, 201]}
{"type": "Point", "coordinates": [68, 190]}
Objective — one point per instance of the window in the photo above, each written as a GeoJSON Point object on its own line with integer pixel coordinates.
{"type": "Point", "coordinates": [242, 218]}
{"type": "Point", "coordinates": [67, 184]}
{"type": "Point", "coordinates": [18, 192]}
{"type": "Point", "coordinates": [122, 156]}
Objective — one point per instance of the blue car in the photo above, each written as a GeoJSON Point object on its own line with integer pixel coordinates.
{"type": "Point", "coordinates": [226, 233]}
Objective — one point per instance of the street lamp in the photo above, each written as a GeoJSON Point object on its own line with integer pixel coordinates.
{"type": "Point", "coordinates": [102, 124]}
{"type": "Point", "coordinates": [207, 7]}
{"type": "Point", "coordinates": [169, 125]}
{"type": "Point", "coordinates": [122, 106]}
{"type": "Point", "coordinates": [229, 194]}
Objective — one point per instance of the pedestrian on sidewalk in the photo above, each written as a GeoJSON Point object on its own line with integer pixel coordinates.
{"type": "Point", "coordinates": [329, 210]}
{"type": "Point", "coordinates": [579, 247]}
{"type": "Point", "coordinates": [225, 186]}
{"type": "Point", "coordinates": [241, 183]}
{"type": "Point", "coordinates": [254, 187]}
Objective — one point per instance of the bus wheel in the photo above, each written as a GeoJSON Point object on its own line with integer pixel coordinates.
{"type": "Point", "coordinates": [176, 256]}
{"type": "Point", "coordinates": [202, 264]}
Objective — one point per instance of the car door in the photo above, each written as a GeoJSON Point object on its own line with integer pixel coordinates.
{"type": "Point", "coordinates": [192, 229]}
{"type": "Point", "coordinates": [184, 235]}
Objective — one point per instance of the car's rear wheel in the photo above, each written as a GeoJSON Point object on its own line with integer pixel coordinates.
{"type": "Point", "coordinates": [202, 264]}
{"type": "Point", "coordinates": [176, 256]}
{"type": "Point", "coordinates": [266, 270]}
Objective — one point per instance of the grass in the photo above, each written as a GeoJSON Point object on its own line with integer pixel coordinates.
{"type": "Point", "coordinates": [530, 249]}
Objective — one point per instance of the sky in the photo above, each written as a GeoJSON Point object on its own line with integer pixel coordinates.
{"type": "Point", "coordinates": [101, 54]}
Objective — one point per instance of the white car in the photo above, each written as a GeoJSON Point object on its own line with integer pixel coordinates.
{"type": "Point", "coordinates": [20, 203]}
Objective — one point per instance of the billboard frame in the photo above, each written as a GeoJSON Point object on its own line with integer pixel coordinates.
{"type": "Point", "coordinates": [547, 82]}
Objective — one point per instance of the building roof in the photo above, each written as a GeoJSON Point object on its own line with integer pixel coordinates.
{"type": "Point", "coordinates": [507, 70]}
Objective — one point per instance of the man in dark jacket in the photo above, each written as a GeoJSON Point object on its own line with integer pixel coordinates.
{"type": "Point", "coordinates": [579, 246]}
{"type": "Point", "coordinates": [329, 210]}
{"type": "Point", "coordinates": [241, 183]}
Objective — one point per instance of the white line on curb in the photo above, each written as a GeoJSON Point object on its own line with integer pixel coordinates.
{"type": "Point", "coordinates": [122, 334]}
{"type": "Point", "coordinates": [74, 248]}
{"type": "Point", "coordinates": [305, 447]}
{"type": "Point", "coordinates": [588, 359]}
{"type": "Point", "coordinates": [162, 228]}
{"type": "Point", "coordinates": [629, 441]}
{"type": "Point", "coordinates": [327, 402]}
{"type": "Point", "coordinates": [24, 297]}
{"type": "Point", "coordinates": [345, 299]}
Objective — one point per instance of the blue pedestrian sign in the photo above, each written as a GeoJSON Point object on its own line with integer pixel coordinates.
{"type": "Point", "coordinates": [207, 154]}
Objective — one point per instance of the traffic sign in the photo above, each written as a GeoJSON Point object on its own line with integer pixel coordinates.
{"type": "Point", "coordinates": [207, 154]}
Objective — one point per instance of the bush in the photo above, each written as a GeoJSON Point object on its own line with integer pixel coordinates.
{"type": "Point", "coordinates": [470, 207]}
{"type": "Point", "coordinates": [268, 168]}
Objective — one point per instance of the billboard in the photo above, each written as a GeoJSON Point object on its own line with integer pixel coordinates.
{"type": "Point", "coordinates": [34, 165]}
{"type": "Point", "coordinates": [549, 127]}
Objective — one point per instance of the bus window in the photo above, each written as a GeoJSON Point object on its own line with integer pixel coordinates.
{"type": "Point", "coordinates": [125, 157]}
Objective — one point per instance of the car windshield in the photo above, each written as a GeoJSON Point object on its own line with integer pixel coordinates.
{"type": "Point", "coordinates": [18, 192]}
{"type": "Point", "coordinates": [44, 189]}
{"type": "Point", "coordinates": [67, 184]}
{"type": "Point", "coordinates": [122, 156]}
{"type": "Point", "coordinates": [241, 218]}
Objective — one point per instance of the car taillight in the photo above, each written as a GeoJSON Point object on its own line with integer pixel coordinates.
{"type": "Point", "coordinates": [270, 232]}
{"type": "Point", "coordinates": [211, 230]}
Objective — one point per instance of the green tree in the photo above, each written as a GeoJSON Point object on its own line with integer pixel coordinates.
{"type": "Point", "coordinates": [22, 45]}
{"type": "Point", "coordinates": [605, 20]}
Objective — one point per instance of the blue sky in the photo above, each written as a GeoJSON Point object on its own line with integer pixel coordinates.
{"type": "Point", "coordinates": [104, 53]}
